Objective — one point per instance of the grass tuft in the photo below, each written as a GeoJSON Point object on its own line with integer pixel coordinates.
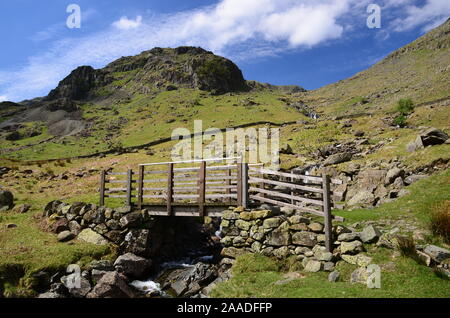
{"type": "Point", "coordinates": [440, 221]}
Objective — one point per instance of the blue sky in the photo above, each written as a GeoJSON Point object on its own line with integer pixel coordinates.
{"type": "Point", "coordinates": [310, 43]}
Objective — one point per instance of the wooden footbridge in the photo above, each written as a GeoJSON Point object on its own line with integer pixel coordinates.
{"type": "Point", "coordinates": [205, 188]}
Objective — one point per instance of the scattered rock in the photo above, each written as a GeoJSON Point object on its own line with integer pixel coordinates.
{"type": "Point", "coordinates": [334, 276]}
{"type": "Point", "coordinates": [65, 236]}
{"type": "Point", "coordinates": [438, 254]}
{"type": "Point", "coordinates": [370, 234]}
{"type": "Point", "coordinates": [337, 158]}
{"type": "Point", "coordinates": [364, 197]}
{"type": "Point", "coordinates": [393, 174]}
{"type": "Point", "coordinates": [359, 275]}
{"type": "Point", "coordinates": [413, 178]}
{"type": "Point", "coordinates": [22, 208]}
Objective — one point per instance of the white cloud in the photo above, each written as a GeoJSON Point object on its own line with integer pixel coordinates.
{"type": "Point", "coordinates": [124, 23]}
{"type": "Point", "coordinates": [3, 98]}
{"type": "Point", "coordinates": [430, 15]}
{"type": "Point", "coordinates": [238, 29]}
{"type": "Point", "coordinates": [235, 28]}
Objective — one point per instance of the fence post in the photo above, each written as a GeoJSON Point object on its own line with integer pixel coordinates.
{"type": "Point", "coordinates": [244, 187]}
{"type": "Point", "coordinates": [102, 187]}
{"type": "Point", "coordinates": [129, 186]}
{"type": "Point", "coordinates": [327, 213]}
{"type": "Point", "coordinates": [201, 183]}
{"type": "Point", "coordinates": [140, 187]}
{"type": "Point", "coordinates": [170, 189]}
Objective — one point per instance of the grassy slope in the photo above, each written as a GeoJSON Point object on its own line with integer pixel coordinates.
{"type": "Point", "coordinates": [255, 276]}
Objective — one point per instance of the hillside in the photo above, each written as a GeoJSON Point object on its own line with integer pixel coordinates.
{"type": "Point", "coordinates": [123, 115]}
{"type": "Point", "coordinates": [419, 70]}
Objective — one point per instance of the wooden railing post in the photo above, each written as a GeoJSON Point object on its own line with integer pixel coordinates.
{"type": "Point", "coordinates": [201, 183]}
{"type": "Point", "coordinates": [228, 185]}
{"type": "Point", "coordinates": [102, 187]}
{"type": "Point", "coordinates": [140, 187]}
{"type": "Point", "coordinates": [239, 184]}
{"type": "Point", "coordinates": [244, 187]}
{"type": "Point", "coordinates": [327, 213]}
{"type": "Point", "coordinates": [129, 186]}
{"type": "Point", "coordinates": [170, 189]}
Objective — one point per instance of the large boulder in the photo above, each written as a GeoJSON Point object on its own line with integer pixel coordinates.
{"type": "Point", "coordinates": [89, 236]}
{"type": "Point", "coordinates": [429, 137]}
{"type": "Point", "coordinates": [6, 200]}
{"type": "Point", "coordinates": [132, 265]}
{"type": "Point", "coordinates": [112, 285]}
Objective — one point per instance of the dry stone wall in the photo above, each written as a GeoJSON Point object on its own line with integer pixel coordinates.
{"type": "Point", "coordinates": [281, 234]}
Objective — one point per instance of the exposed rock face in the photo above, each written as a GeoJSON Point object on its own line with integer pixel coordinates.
{"type": "Point", "coordinates": [193, 67]}
{"type": "Point", "coordinates": [77, 85]}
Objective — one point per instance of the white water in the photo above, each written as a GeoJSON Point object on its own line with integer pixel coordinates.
{"type": "Point", "coordinates": [150, 286]}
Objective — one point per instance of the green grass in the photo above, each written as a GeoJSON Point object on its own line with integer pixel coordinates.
{"type": "Point", "coordinates": [255, 276]}
{"type": "Point", "coordinates": [424, 196]}
{"type": "Point", "coordinates": [27, 249]}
